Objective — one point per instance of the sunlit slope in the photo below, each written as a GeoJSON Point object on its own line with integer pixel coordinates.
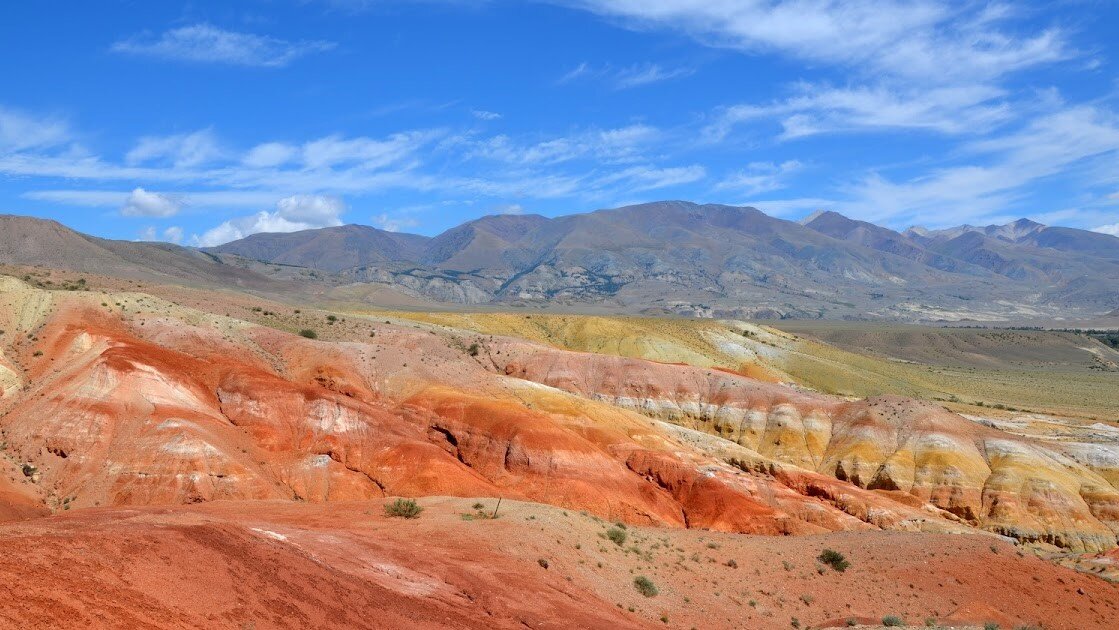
{"type": "Point", "coordinates": [1036, 371]}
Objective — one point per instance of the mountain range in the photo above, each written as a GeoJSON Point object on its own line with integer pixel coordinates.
{"type": "Point", "coordinates": [670, 257]}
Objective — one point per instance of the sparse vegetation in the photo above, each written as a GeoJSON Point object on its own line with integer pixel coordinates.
{"type": "Point", "coordinates": [892, 621]}
{"type": "Point", "coordinates": [645, 586]}
{"type": "Point", "coordinates": [403, 508]}
{"type": "Point", "coordinates": [472, 350]}
{"type": "Point", "coordinates": [308, 333]}
{"type": "Point", "coordinates": [616, 535]}
{"type": "Point", "coordinates": [834, 559]}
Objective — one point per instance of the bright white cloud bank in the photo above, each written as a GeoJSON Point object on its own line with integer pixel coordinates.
{"type": "Point", "coordinates": [298, 212]}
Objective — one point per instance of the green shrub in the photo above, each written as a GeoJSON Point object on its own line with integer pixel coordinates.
{"type": "Point", "coordinates": [618, 536]}
{"type": "Point", "coordinates": [834, 559]}
{"type": "Point", "coordinates": [403, 508]}
{"type": "Point", "coordinates": [645, 586]}
{"type": "Point", "coordinates": [308, 333]}
{"type": "Point", "coordinates": [892, 621]}
{"type": "Point", "coordinates": [990, 625]}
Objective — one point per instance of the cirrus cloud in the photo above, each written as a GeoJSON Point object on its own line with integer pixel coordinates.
{"type": "Point", "coordinates": [205, 43]}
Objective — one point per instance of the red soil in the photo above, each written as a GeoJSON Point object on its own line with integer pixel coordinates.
{"type": "Point", "coordinates": [293, 565]}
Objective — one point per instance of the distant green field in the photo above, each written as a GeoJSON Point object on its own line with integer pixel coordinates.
{"type": "Point", "coordinates": [1054, 372]}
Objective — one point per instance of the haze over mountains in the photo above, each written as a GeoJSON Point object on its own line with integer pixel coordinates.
{"type": "Point", "coordinates": [670, 257]}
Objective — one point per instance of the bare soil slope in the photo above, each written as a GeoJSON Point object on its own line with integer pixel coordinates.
{"type": "Point", "coordinates": [290, 565]}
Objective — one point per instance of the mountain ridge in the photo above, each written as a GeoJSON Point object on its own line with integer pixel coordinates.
{"type": "Point", "coordinates": [670, 257]}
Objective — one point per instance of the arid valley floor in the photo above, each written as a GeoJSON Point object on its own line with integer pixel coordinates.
{"type": "Point", "coordinates": [177, 457]}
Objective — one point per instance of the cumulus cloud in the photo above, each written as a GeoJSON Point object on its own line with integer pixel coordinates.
{"type": "Point", "coordinates": [142, 203]}
{"type": "Point", "coordinates": [172, 234]}
{"type": "Point", "coordinates": [204, 43]}
{"type": "Point", "coordinates": [292, 214]}
{"type": "Point", "coordinates": [311, 209]}
{"type": "Point", "coordinates": [1112, 229]}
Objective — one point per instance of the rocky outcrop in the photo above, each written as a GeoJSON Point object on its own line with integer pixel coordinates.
{"type": "Point", "coordinates": [1005, 484]}
{"type": "Point", "coordinates": [152, 403]}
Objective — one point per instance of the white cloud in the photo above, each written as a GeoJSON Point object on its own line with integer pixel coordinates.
{"type": "Point", "coordinates": [367, 153]}
{"type": "Point", "coordinates": [620, 144]}
{"type": "Point", "coordinates": [197, 199]}
{"type": "Point", "coordinates": [182, 150]}
{"type": "Point", "coordinates": [510, 208]}
{"type": "Point", "coordinates": [269, 154]}
{"type": "Point", "coordinates": [142, 203]}
{"type": "Point", "coordinates": [1112, 229]}
{"type": "Point", "coordinates": [628, 77]}
{"type": "Point", "coordinates": [1047, 146]}
{"type": "Point", "coordinates": [20, 132]}
{"type": "Point", "coordinates": [759, 177]}
{"type": "Point", "coordinates": [962, 109]}
{"type": "Point", "coordinates": [205, 43]}
{"type": "Point", "coordinates": [645, 74]}
{"type": "Point", "coordinates": [911, 39]}
{"type": "Point", "coordinates": [311, 209]}
{"type": "Point", "coordinates": [641, 178]}
{"type": "Point", "coordinates": [482, 114]}
{"type": "Point", "coordinates": [292, 214]}
{"type": "Point", "coordinates": [172, 234]}
{"type": "Point", "coordinates": [579, 71]}
{"type": "Point", "coordinates": [394, 224]}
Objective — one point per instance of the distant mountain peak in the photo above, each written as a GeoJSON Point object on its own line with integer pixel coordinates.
{"type": "Point", "coordinates": [812, 217]}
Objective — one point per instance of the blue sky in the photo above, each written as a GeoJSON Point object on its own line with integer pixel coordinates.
{"type": "Point", "coordinates": [202, 122]}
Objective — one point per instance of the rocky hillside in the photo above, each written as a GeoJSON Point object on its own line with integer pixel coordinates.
{"type": "Point", "coordinates": [130, 399]}
{"type": "Point", "coordinates": [684, 258]}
